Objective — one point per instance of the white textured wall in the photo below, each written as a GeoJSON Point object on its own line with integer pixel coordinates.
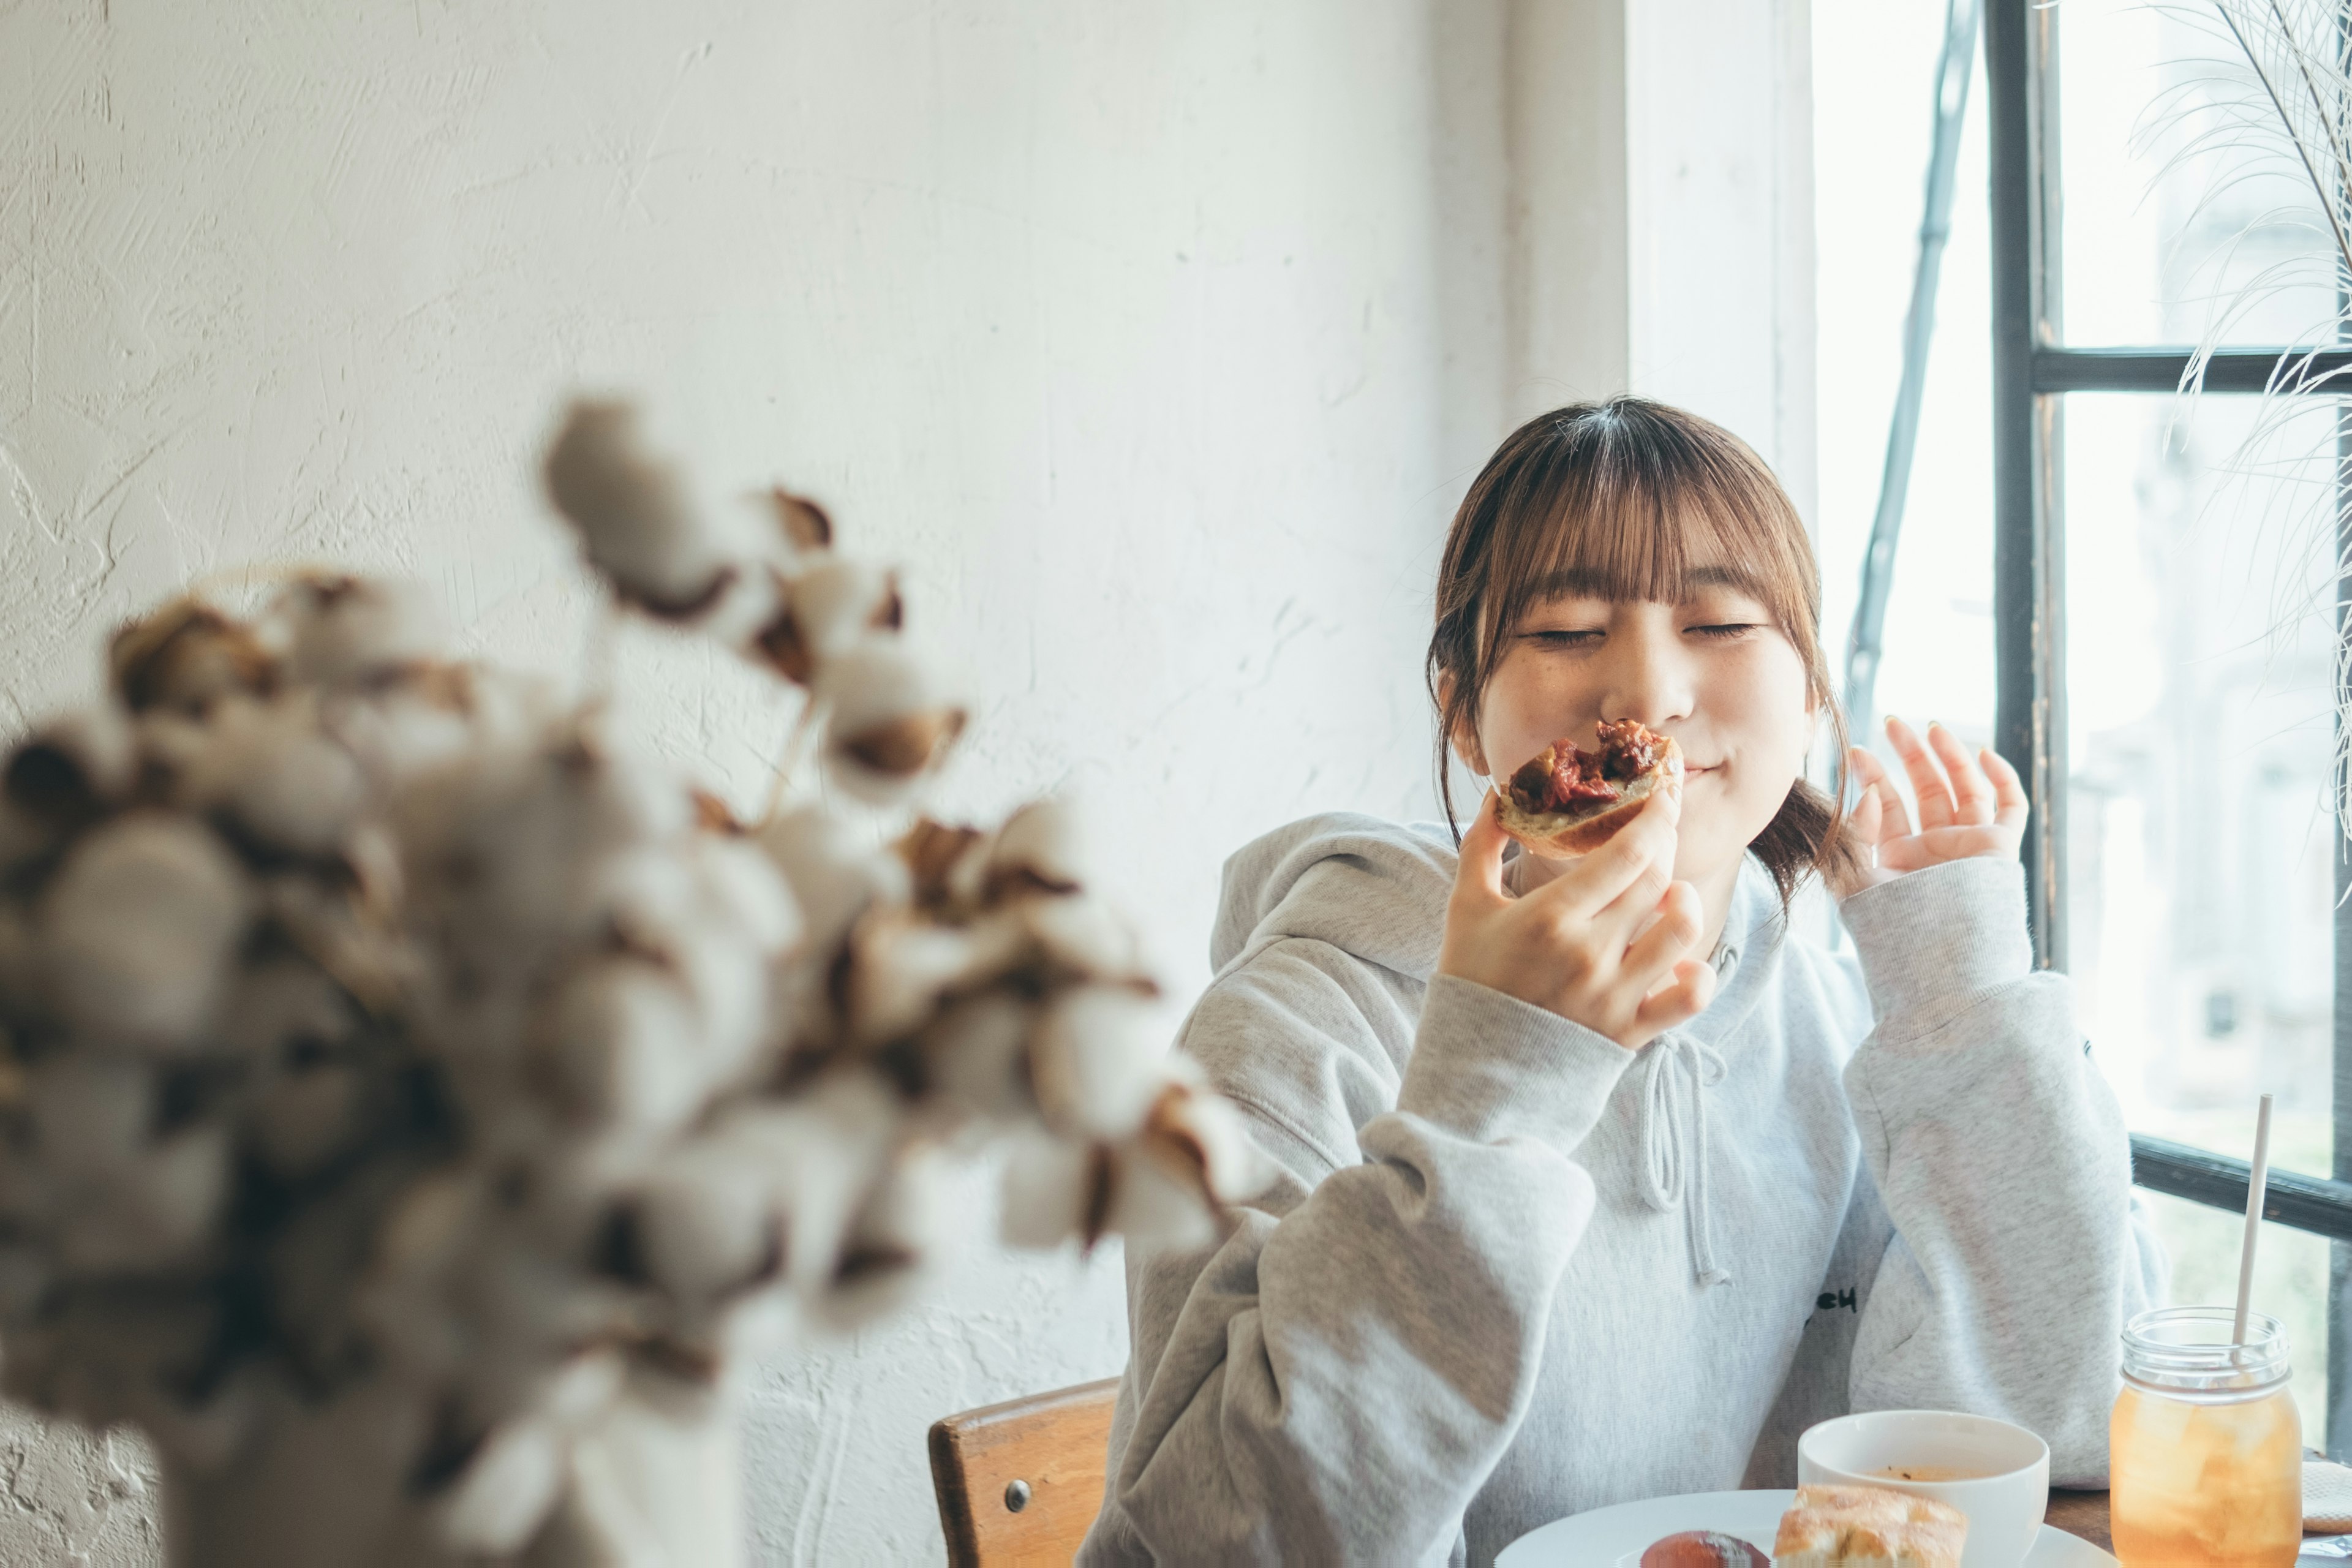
{"type": "Point", "coordinates": [1157, 340]}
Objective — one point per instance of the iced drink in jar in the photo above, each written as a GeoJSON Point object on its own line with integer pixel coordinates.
{"type": "Point", "coordinates": [2205, 1459]}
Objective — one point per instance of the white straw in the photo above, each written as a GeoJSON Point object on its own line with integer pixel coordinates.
{"type": "Point", "coordinates": [2257, 1189]}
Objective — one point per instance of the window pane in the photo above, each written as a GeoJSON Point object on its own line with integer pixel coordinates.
{"type": "Point", "coordinates": [2171, 210]}
{"type": "Point", "coordinates": [2290, 1284]}
{"type": "Point", "coordinates": [2199, 867]}
{"type": "Point", "coordinates": [1871, 141]}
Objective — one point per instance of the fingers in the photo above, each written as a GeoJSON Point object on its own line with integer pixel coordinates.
{"type": "Point", "coordinates": [1971, 793]}
{"type": "Point", "coordinates": [1643, 849]}
{"type": "Point", "coordinates": [1678, 1003]}
{"type": "Point", "coordinates": [1479, 876]}
{"type": "Point", "coordinates": [1878, 813]}
{"type": "Point", "coordinates": [1935, 845]}
{"type": "Point", "coordinates": [2011, 805]}
{"type": "Point", "coordinates": [1681, 917]}
{"type": "Point", "coordinates": [1927, 783]}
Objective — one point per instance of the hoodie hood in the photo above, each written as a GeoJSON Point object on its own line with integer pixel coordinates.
{"type": "Point", "coordinates": [1372, 889]}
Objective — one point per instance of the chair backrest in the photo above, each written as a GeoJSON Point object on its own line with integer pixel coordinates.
{"type": "Point", "coordinates": [1020, 1482]}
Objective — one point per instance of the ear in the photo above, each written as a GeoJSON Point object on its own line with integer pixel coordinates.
{"type": "Point", "coordinates": [1464, 738]}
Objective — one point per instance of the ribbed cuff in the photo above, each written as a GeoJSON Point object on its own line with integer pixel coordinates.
{"type": "Point", "coordinates": [1491, 1066]}
{"type": "Point", "coordinates": [1941, 933]}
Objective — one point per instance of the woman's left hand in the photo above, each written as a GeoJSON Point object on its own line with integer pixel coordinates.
{"type": "Point", "coordinates": [1968, 806]}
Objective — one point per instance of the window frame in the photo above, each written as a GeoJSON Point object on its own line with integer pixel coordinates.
{"type": "Point", "coordinates": [2032, 371]}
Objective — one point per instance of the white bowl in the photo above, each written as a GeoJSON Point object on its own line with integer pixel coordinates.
{"type": "Point", "coordinates": [2007, 1492]}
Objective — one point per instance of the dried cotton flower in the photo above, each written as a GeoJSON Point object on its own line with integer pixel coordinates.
{"type": "Point", "coordinates": [411, 1086]}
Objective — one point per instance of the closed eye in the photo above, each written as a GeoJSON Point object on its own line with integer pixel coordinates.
{"type": "Point", "coordinates": [1722, 630]}
{"type": "Point", "coordinates": [1563, 639]}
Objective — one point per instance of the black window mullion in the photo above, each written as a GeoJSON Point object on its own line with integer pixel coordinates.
{"type": "Point", "coordinates": [2060, 370]}
{"type": "Point", "coordinates": [2029, 729]}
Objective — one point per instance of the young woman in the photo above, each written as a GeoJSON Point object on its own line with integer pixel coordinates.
{"type": "Point", "coordinates": [1597, 1180]}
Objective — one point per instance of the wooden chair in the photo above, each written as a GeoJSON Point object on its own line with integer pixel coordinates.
{"type": "Point", "coordinates": [1020, 1482]}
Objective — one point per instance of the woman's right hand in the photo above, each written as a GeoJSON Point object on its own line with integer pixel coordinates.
{"type": "Point", "coordinates": [1607, 943]}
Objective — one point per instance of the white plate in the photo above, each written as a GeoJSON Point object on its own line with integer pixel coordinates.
{"type": "Point", "coordinates": [1606, 1536]}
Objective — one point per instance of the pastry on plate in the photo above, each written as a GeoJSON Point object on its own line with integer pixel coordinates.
{"type": "Point", "coordinates": [1868, 1527]}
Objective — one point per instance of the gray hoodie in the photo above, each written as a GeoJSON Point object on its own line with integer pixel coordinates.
{"type": "Point", "coordinates": [1511, 1271]}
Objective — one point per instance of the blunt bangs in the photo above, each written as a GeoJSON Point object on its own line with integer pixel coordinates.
{"type": "Point", "coordinates": [1630, 503]}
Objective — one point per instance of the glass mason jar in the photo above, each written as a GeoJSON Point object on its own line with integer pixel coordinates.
{"type": "Point", "coordinates": [2205, 1446]}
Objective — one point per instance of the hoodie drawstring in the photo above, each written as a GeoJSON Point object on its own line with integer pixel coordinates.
{"type": "Point", "coordinates": [1676, 1072]}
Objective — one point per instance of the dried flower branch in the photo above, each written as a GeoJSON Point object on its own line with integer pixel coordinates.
{"type": "Point", "coordinates": [402, 1078]}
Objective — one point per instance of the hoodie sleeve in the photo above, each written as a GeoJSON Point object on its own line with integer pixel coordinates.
{"type": "Point", "coordinates": [2001, 1156]}
{"type": "Point", "coordinates": [1335, 1382]}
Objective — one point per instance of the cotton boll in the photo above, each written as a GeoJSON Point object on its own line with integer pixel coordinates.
{"type": "Point", "coordinates": [1053, 1191]}
{"type": "Point", "coordinates": [647, 891]}
{"type": "Point", "coordinates": [890, 723]}
{"type": "Point", "coordinates": [139, 924]}
{"type": "Point", "coordinates": [187, 656]}
{"type": "Point", "coordinates": [1155, 1203]}
{"type": "Point", "coordinates": [732, 990]}
{"type": "Point", "coordinates": [327, 925]}
{"type": "Point", "coordinates": [708, 1221]}
{"type": "Point", "coordinates": [897, 1244]}
{"type": "Point", "coordinates": [498, 1500]}
{"type": "Point", "coordinates": [826, 609]}
{"type": "Point", "coordinates": [1202, 1133]}
{"type": "Point", "coordinates": [151, 1210]}
{"type": "Point", "coordinates": [623, 1045]}
{"type": "Point", "coordinates": [1095, 1062]}
{"type": "Point", "coordinates": [1038, 849]}
{"type": "Point", "coordinates": [805, 526]}
{"type": "Point", "coordinates": [339, 630]}
{"type": "Point", "coordinates": [744, 891]}
{"type": "Point", "coordinates": [974, 1056]}
{"type": "Point", "coordinates": [826, 1152]}
{"type": "Point", "coordinates": [25, 1276]}
{"type": "Point", "coordinates": [950, 864]}
{"type": "Point", "coordinates": [279, 778]}
{"type": "Point", "coordinates": [24, 977]}
{"type": "Point", "coordinates": [581, 1389]}
{"type": "Point", "coordinates": [831, 878]}
{"type": "Point", "coordinates": [73, 769]}
{"type": "Point", "coordinates": [23, 837]}
{"type": "Point", "coordinates": [423, 1232]}
{"type": "Point", "coordinates": [747, 606]}
{"type": "Point", "coordinates": [900, 964]}
{"type": "Point", "coordinates": [1084, 936]}
{"type": "Point", "coordinates": [305, 1117]}
{"type": "Point", "coordinates": [90, 1113]}
{"type": "Point", "coordinates": [637, 518]}
{"type": "Point", "coordinates": [623, 796]}
{"type": "Point", "coordinates": [203, 1436]}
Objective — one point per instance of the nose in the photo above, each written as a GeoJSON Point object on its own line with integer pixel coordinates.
{"type": "Point", "coordinates": [1647, 673]}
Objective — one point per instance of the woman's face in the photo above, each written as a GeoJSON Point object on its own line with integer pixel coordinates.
{"type": "Point", "coordinates": [1711, 670]}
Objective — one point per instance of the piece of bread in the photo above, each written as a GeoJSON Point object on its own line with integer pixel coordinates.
{"type": "Point", "coordinates": [1578, 828]}
{"type": "Point", "coordinates": [1868, 1527]}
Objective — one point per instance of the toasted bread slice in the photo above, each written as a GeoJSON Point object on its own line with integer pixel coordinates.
{"type": "Point", "coordinates": [1578, 829]}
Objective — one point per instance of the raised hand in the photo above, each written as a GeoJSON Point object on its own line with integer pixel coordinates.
{"type": "Point", "coordinates": [1608, 943]}
{"type": "Point", "coordinates": [1968, 806]}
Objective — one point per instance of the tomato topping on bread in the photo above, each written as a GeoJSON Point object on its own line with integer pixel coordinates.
{"type": "Point", "coordinates": [1566, 801]}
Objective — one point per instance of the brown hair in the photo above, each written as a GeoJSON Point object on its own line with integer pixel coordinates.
{"type": "Point", "coordinates": [1619, 499]}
